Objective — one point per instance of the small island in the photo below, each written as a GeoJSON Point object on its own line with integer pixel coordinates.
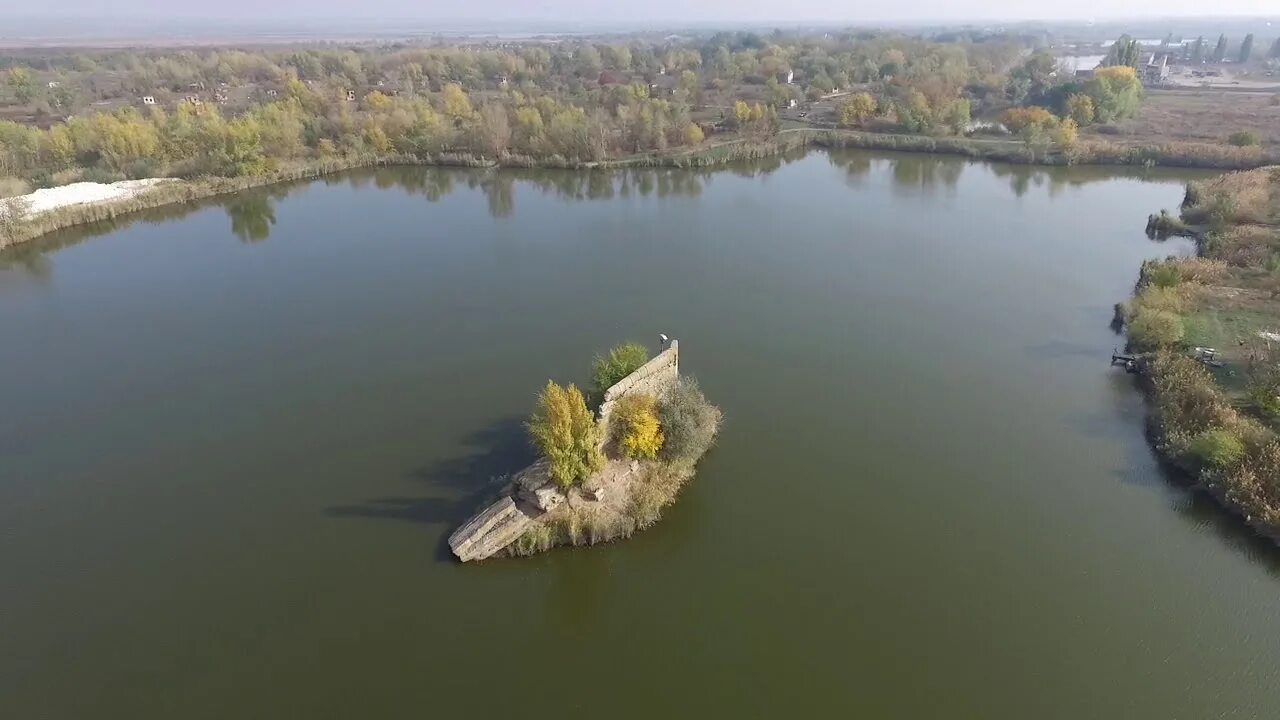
{"type": "Point", "coordinates": [600, 476]}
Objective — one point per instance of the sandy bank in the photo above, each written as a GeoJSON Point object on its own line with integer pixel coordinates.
{"type": "Point", "coordinates": [81, 193]}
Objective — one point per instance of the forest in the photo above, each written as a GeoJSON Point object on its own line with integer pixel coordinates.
{"type": "Point", "coordinates": [107, 115]}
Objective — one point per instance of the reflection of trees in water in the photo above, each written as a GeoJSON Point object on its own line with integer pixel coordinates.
{"type": "Point", "coordinates": [499, 189]}
{"type": "Point", "coordinates": [501, 185]}
{"type": "Point", "coordinates": [926, 173]}
{"type": "Point", "coordinates": [252, 217]}
{"type": "Point", "coordinates": [1057, 178]}
{"type": "Point", "coordinates": [429, 182]}
{"type": "Point", "coordinates": [1022, 178]}
{"type": "Point", "coordinates": [856, 166]}
{"type": "Point", "coordinates": [32, 257]}
{"type": "Point", "coordinates": [27, 261]}
{"type": "Point", "coordinates": [252, 212]}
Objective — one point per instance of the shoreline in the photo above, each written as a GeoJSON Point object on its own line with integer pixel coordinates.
{"type": "Point", "coordinates": [1218, 434]}
{"type": "Point", "coordinates": [1203, 157]}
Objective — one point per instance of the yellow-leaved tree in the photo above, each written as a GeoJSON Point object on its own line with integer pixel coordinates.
{"type": "Point", "coordinates": [857, 108]}
{"type": "Point", "coordinates": [1067, 134]}
{"type": "Point", "coordinates": [638, 432]}
{"type": "Point", "coordinates": [456, 103]}
{"type": "Point", "coordinates": [565, 432]}
{"type": "Point", "coordinates": [1080, 109]}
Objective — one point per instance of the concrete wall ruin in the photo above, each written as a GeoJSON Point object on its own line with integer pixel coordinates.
{"type": "Point", "coordinates": [652, 378]}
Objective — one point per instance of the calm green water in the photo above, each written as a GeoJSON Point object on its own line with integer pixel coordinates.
{"type": "Point", "coordinates": [233, 438]}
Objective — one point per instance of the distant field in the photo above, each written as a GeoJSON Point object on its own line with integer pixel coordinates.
{"type": "Point", "coordinates": [1203, 116]}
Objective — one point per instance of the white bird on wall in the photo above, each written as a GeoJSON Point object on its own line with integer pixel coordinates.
{"type": "Point", "coordinates": [664, 338]}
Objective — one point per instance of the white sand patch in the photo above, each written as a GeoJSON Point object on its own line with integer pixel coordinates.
{"type": "Point", "coordinates": [82, 193]}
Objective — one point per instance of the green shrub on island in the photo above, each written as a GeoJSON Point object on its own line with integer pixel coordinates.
{"type": "Point", "coordinates": [638, 433]}
{"type": "Point", "coordinates": [607, 370]}
{"type": "Point", "coordinates": [565, 432]}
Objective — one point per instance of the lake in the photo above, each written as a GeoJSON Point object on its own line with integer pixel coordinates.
{"type": "Point", "coordinates": [235, 435]}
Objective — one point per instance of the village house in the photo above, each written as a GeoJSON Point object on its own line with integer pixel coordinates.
{"type": "Point", "coordinates": [613, 77]}
{"type": "Point", "coordinates": [663, 85]}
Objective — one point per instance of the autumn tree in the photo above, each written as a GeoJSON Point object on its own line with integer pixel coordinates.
{"type": "Point", "coordinates": [457, 106]}
{"type": "Point", "coordinates": [529, 130]}
{"type": "Point", "coordinates": [1116, 92]}
{"type": "Point", "coordinates": [857, 109]}
{"type": "Point", "coordinates": [19, 80]}
{"type": "Point", "coordinates": [638, 433]}
{"type": "Point", "coordinates": [687, 86]}
{"type": "Point", "coordinates": [376, 139]}
{"type": "Point", "coordinates": [1019, 119]}
{"type": "Point", "coordinates": [1066, 134]}
{"type": "Point", "coordinates": [915, 113]}
{"type": "Point", "coordinates": [1080, 109]}
{"type": "Point", "coordinates": [493, 130]}
{"type": "Point", "coordinates": [565, 433]}
{"type": "Point", "coordinates": [956, 116]}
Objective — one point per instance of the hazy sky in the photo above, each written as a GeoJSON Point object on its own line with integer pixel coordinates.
{"type": "Point", "coordinates": [650, 11]}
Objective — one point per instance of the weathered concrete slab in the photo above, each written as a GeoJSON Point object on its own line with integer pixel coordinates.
{"type": "Point", "coordinates": [494, 528]}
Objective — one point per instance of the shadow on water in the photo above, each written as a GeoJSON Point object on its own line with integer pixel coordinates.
{"type": "Point", "coordinates": [1199, 509]}
{"type": "Point", "coordinates": [1203, 512]}
{"type": "Point", "coordinates": [458, 485]}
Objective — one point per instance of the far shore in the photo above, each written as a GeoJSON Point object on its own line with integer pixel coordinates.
{"type": "Point", "coordinates": [148, 194]}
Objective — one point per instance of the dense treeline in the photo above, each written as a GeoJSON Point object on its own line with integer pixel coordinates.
{"type": "Point", "coordinates": [234, 113]}
{"type": "Point", "coordinates": [196, 139]}
{"type": "Point", "coordinates": [237, 114]}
